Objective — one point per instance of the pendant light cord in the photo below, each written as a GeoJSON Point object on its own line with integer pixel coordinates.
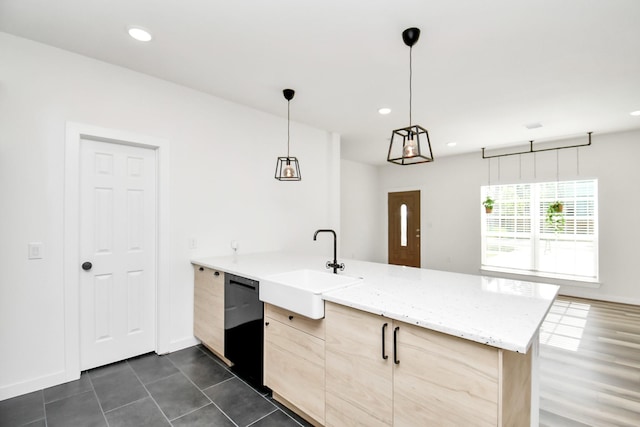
{"type": "Point", "coordinates": [410, 80]}
{"type": "Point", "coordinates": [288, 125]}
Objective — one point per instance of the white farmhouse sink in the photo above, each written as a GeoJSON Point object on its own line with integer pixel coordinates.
{"type": "Point", "coordinates": [299, 290]}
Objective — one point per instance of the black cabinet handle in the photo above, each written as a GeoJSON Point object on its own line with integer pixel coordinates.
{"type": "Point", "coordinates": [266, 323]}
{"type": "Point", "coordinates": [395, 345]}
{"type": "Point", "coordinates": [201, 269]}
{"type": "Point", "coordinates": [290, 317]}
{"type": "Point", "coordinates": [384, 328]}
{"type": "Point", "coordinates": [217, 273]}
{"type": "Point", "coordinates": [86, 266]}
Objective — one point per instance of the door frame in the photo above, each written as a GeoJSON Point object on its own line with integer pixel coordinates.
{"type": "Point", "coordinates": [71, 250]}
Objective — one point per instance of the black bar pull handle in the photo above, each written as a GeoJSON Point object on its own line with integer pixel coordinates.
{"type": "Point", "coordinates": [233, 282]}
{"type": "Point", "coordinates": [384, 328]}
{"type": "Point", "coordinates": [395, 345]}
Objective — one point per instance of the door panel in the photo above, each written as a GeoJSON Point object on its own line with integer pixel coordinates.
{"type": "Point", "coordinates": [102, 291]}
{"type": "Point", "coordinates": [444, 381]}
{"type": "Point", "coordinates": [135, 307]}
{"type": "Point", "coordinates": [294, 366]}
{"type": "Point", "coordinates": [359, 380]}
{"type": "Point", "coordinates": [118, 236]}
{"type": "Point", "coordinates": [404, 228]}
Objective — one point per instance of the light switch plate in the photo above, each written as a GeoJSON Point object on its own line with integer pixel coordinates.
{"type": "Point", "coordinates": [35, 250]}
{"type": "Point", "coordinates": [193, 243]}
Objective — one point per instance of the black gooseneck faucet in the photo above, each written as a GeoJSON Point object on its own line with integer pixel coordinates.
{"type": "Point", "coordinates": [333, 264]}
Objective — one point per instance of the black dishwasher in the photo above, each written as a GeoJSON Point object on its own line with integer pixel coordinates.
{"type": "Point", "coordinates": [243, 327]}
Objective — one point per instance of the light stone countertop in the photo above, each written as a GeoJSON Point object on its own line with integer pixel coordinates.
{"type": "Point", "coordinates": [502, 313]}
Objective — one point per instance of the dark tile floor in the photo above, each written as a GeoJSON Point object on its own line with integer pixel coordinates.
{"type": "Point", "coordinates": [190, 387]}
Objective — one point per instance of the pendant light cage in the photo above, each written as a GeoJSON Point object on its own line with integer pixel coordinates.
{"type": "Point", "coordinates": [410, 145]}
{"type": "Point", "coordinates": [288, 168]}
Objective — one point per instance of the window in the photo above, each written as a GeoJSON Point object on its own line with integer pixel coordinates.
{"type": "Point", "coordinates": [517, 236]}
{"type": "Point", "coordinates": [403, 225]}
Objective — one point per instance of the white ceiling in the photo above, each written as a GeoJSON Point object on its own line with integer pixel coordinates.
{"type": "Point", "coordinates": [482, 69]}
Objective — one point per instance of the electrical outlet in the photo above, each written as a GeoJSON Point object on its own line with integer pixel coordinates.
{"type": "Point", "coordinates": [35, 250]}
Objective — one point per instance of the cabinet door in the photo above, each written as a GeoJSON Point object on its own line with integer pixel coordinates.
{"type": "Point", "coordinates": [444, 380]}
{"type": "Point", "coordinates": [208, 310]}
{"type": "Point", "coordinates": [359, 380]}
{"type": "Point", "coordinates": [294, 367]}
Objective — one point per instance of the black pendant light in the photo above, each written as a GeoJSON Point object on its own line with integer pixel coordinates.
{"type": "Point", "coordinates": [410, 145]}
{"type": "Point", "coordinates": [287, 168]}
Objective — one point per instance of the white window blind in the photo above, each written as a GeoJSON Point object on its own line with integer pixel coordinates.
{"type": "Point", "coordinates": [517, 237]}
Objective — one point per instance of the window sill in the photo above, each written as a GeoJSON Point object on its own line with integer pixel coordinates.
{"type": "Point", "coordinates": [556, 279]}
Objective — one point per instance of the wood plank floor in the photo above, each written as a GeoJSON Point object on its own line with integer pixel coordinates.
{"type": "Point", "coordinates": [590, 364]}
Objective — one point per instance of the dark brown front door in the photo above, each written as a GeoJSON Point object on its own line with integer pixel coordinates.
{"type": "Point", "coordinates": [404, 228]}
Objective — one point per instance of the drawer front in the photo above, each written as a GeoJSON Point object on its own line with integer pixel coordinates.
{"type": "Point", "coordinates": [295, 320]}
{"type": "Point", "coordinates": [209, 275]}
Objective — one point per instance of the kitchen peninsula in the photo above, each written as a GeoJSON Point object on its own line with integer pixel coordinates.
{"type": "Point", "coordinates": [402, 346]}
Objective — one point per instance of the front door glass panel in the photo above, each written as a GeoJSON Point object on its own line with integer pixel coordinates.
{"type": "Point", "coordinates": [403, 225]}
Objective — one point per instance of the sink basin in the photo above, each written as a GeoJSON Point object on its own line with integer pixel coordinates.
{"type": "Point", "coordinates": [300, 290]}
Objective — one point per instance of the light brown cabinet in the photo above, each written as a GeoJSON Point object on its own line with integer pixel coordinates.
{"type": "Point", "coordinates": [359, 380]}
{"type": "Point", "coordinates": [405, 375]}
{"type": "Point", "coordinates": [294, 362]}
{"type": "Point", "coordinates": [208, 309]}
{"type": "Point", "coordinates": [359, 369]}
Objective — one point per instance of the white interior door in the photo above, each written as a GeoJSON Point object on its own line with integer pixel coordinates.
{"type": "Point", "coordinates": [118, 216]}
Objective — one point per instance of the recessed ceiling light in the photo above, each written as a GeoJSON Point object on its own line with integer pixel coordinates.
{"type": "Point", "coordinates": [140, 34]}
{"type": "Point", "coordinates": [535, 125]}
{"type": "Point", "coordinates": [451, 144]}
{"type": "Point", "coordinates": [635, 113]}
{"type": "Point", "coordinates": [384, 110]}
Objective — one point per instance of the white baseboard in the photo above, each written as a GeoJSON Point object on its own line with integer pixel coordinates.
{"type": "Point", "coordinates": [61, 377]}
{"type": "Point", "coordinates": [34, 384]}
{"type": "Point", "coordinates": [182, 344]}
{"type": "Point", "coordinates": [572, 292]}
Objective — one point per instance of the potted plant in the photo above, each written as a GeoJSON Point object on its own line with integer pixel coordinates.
{"type": "Point", "coordinates": [555, 216]}
{"type": "Point", "coordinates": [488, 204]}
{"type": "Point", "coordinates": [556, 207]}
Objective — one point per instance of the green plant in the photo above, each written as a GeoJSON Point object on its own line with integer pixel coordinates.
{"type": "Point", "coordinates": [556, 207]}
{"type": "Point", "coordinates": [555, 216]}
{"type": "Point", "coordinates": [488, 204]}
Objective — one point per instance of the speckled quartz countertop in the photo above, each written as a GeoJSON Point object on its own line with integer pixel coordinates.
{"type": "Point", "coordinates": [501, 313]}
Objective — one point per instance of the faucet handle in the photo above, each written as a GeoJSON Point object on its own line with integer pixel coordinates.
{"type": "Point", "coordinates": [331, 265]}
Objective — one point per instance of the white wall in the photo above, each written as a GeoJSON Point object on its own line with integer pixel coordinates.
{"type": "Point", "coordinates": [222, 188]}
{"type": "Point", "coordinates": [359, 204]}
{"type": "Point", "coordinates": [451, 206]}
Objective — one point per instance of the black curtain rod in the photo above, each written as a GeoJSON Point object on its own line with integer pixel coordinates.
{"type": "Point", "coordinates": [532, 150]}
